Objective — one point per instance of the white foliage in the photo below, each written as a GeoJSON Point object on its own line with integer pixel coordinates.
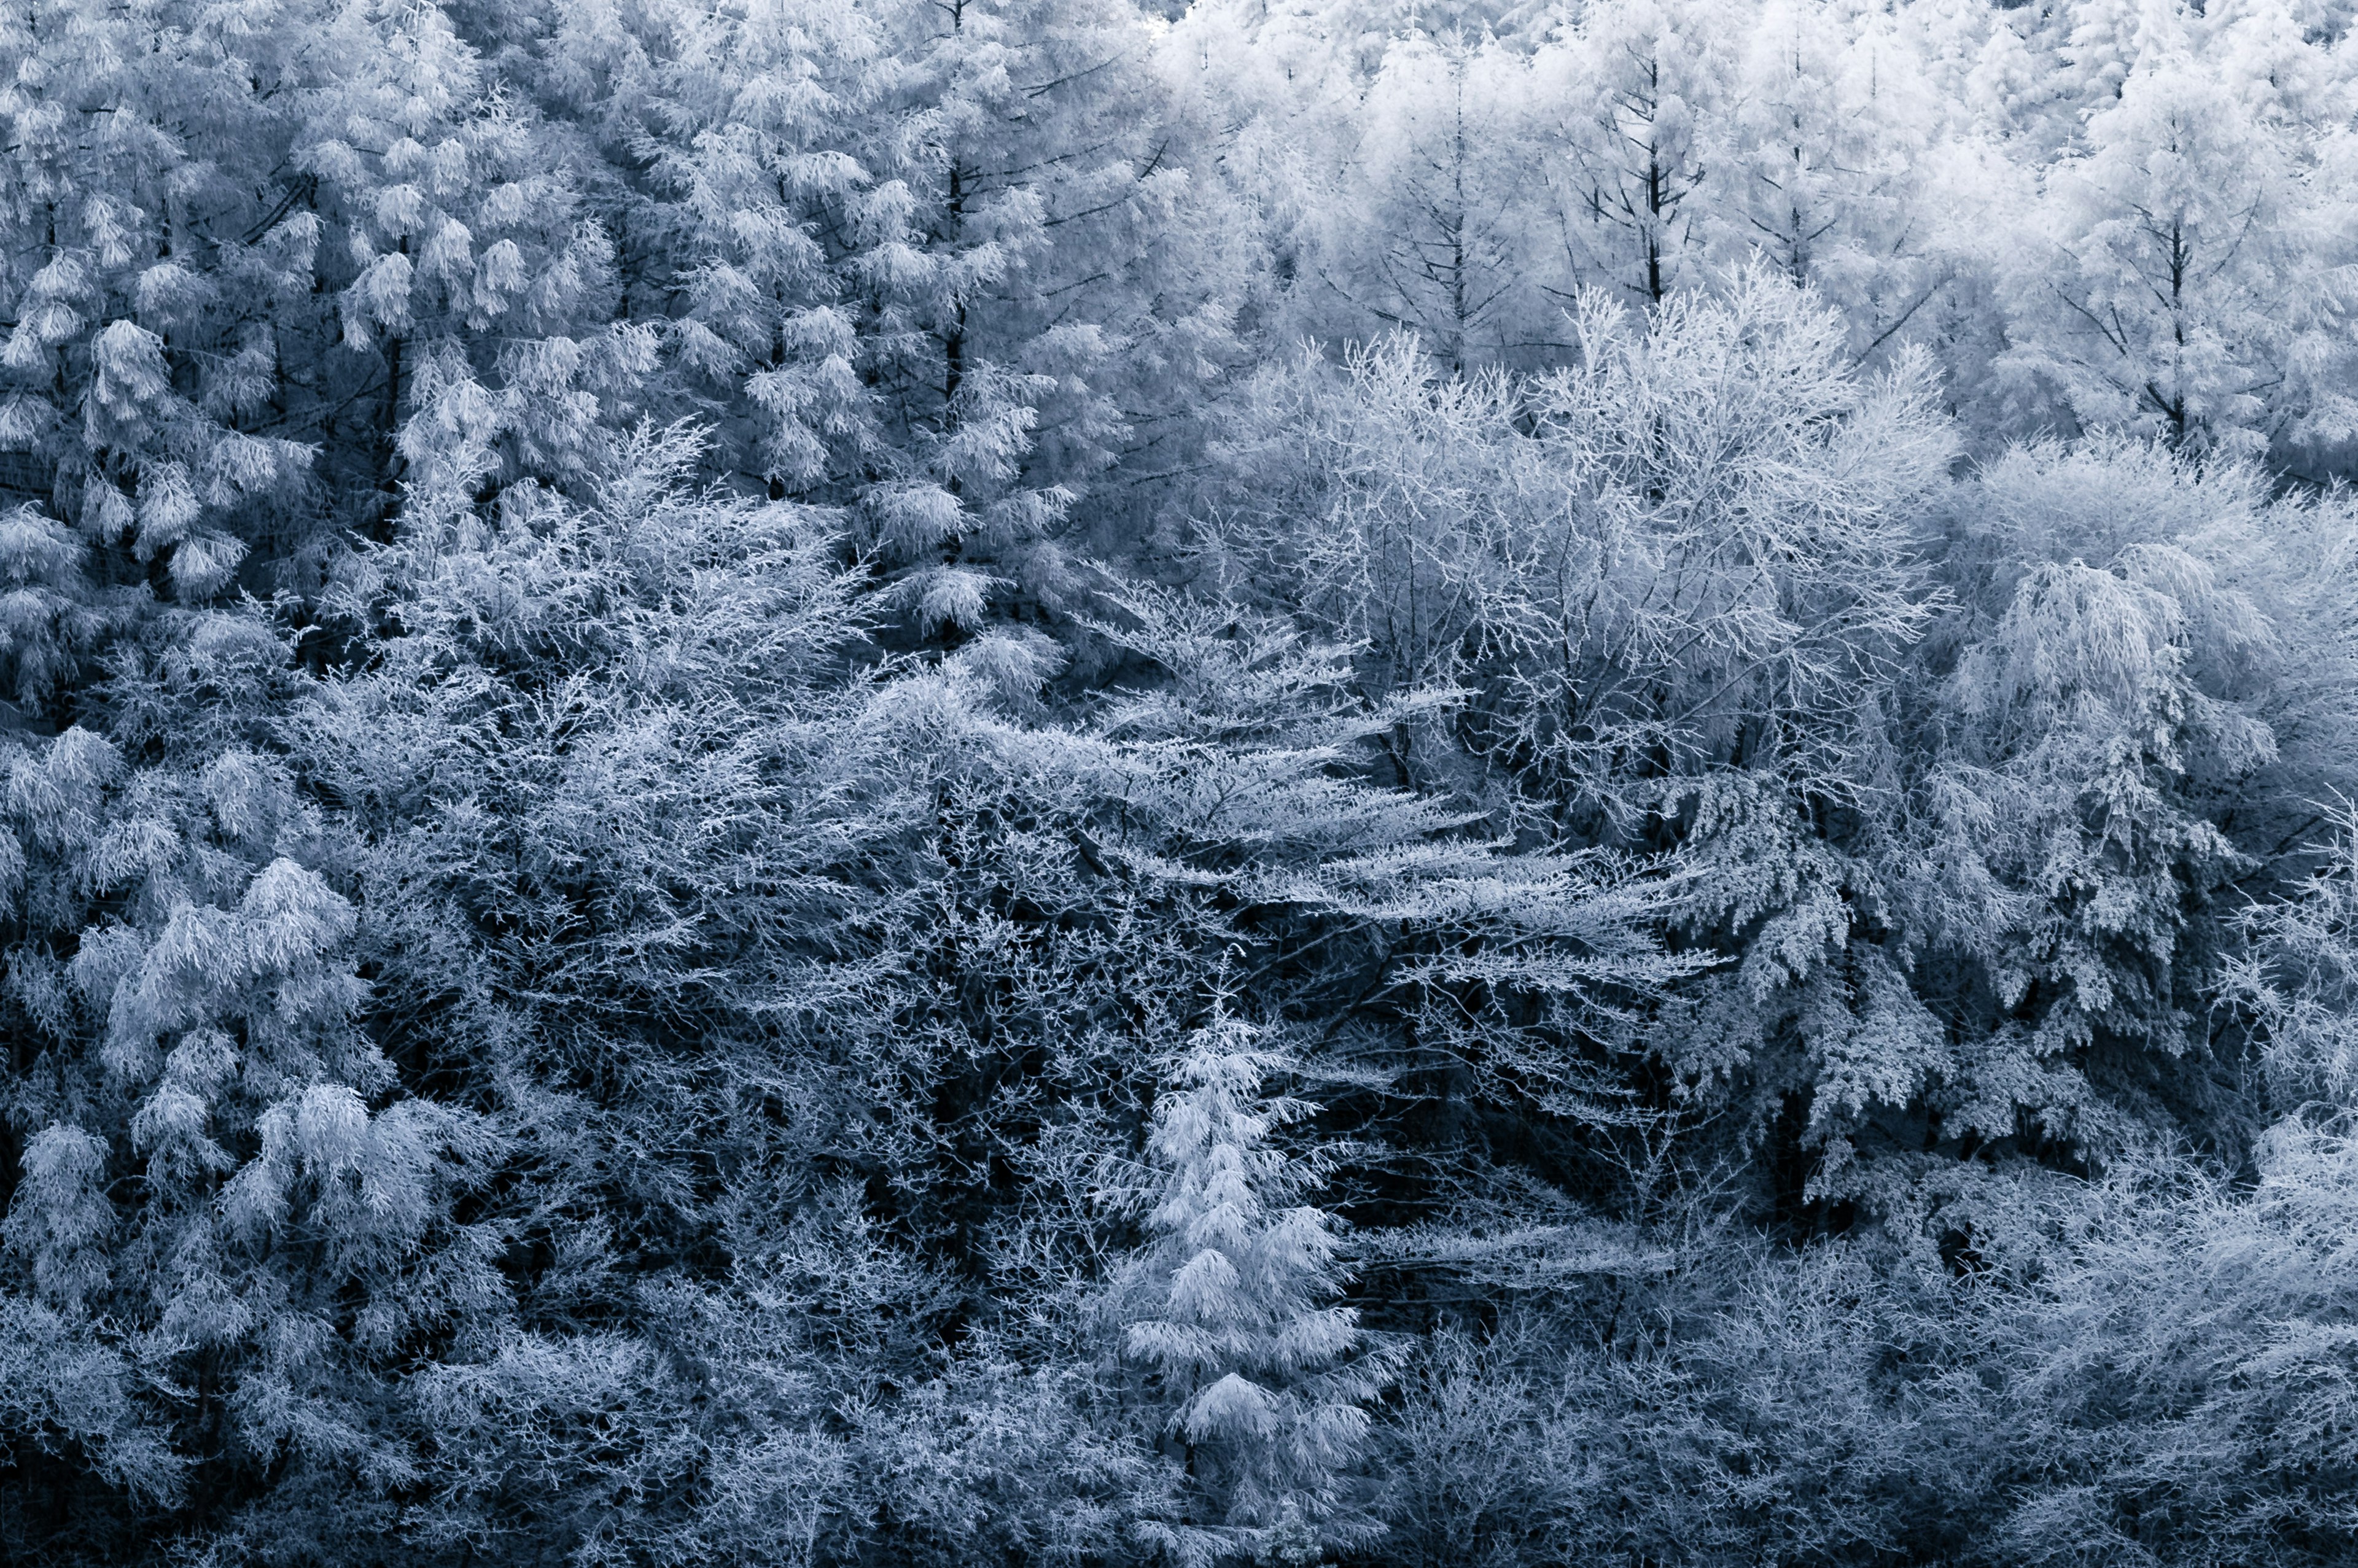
{"type": "Point", "coordinates": [1229, 1308]}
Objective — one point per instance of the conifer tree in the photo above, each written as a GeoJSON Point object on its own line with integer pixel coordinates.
{"type": "Point", "coordinates": [1830, 157]}
{"type": "Point", "coordinates": [1640, 88]}
{"type": "Point", "coordinates": [1259, 1379]}
{"type": "Point", "coordinates": [473, 292]}
{"type": "Point", "coordinates": [1435, 222]}
{"type": "Point", "coordinates": [1028, 190]}
{"type": "Point", "coordinates": [155, 272]}
{"type": "Point", "coordinates": [2192, 284]}
{"type": "Point", "coordinates": [758, 227]}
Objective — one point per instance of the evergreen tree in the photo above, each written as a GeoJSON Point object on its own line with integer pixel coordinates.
{"type": "Point", "coordinates": [2192, 285]}
{"type": "Point", "coordinates": [1230, 1313]}
{"type": "Point", "coordinates": [1641, 87]}
{"type": "Point", "coordinates": [1436, 229]}
{"type": "Point", "coordinates": [475, 288]}
{"type": "Point", "coordinates": [156, 282]}
{"type": "Point", "coordinates": [1828, 165]}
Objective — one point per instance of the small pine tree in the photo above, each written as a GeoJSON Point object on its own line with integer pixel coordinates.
{"type": "Point", "coordinates": [1229, 1314]}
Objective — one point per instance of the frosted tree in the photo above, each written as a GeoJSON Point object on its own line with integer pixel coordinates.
{"type": "Point", "coordinates": [222, 1177]}
{"type": "Point", "coordinates": [1230, 1314]}
{"type": "Point", "coordinates": [1282, 93]}
{"type": "Point", "coordinates": [2101, 41]}
{"type": "Point", "coordinates": [1438, 229]}
{"type": "Point", "coordinates": [156, 257]}
{"type": "Point", "coordinates": [1663, 650]}
{"type": "Point", "coordinates": [2101, 712]}
{"type": "Point", "coordinates": [2193, 284]}
{"type": "Point", "coordinates": [1640, 88]}
{"type": "Point", "coordinates": [1553, 537]}
{"type": "Point", "coordinates": [2009, 78]}
{"type": "Point", "coordinates": [475, 288]}
{"type": "Point", "coordinates": [1022, 208]}
{"type": "Point", "coordinates": [1830, 167]}
{"type": "Point", "coordinates": [756, 231]}
{"type": "Point", "coordinates": [942, 265]}
{"type": "Point", "coordinates": [2297, 975]}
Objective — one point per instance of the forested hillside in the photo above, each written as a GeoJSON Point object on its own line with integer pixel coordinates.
{"type": "Point", "coordinates": [1027, 784]}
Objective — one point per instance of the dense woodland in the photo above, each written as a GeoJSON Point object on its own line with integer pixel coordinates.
{"type": "Point", "coordinates": [986, 783]}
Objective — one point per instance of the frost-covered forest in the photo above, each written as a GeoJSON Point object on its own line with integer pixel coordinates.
{"type": "Point", "coordinates": [1027, 784]}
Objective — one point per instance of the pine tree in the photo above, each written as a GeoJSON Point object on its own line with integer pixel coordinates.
{"type": "Point", "coordinates": [1641, 87]}
{"type": "Point", "coordinates": [1436, 231]}
{"type": "Point", "coordinates": [1025, 194]}
{"type": "Point", "coordinates": [1228, 1312]}
{"type": "Point", "coordinates": [155, 273]}
{"type": "Point", "coordinates": [757, 227]}
{"type": "Point", "coordinates": [2191, 284]}
{"type": "Point", "coordinates": [473, 291]}
{"type": "Point", "coordinates": [1829, 160]}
